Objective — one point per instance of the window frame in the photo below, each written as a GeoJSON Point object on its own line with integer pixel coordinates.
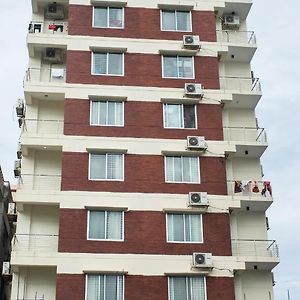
{"type": "Point", "coordinates": [107, 63]}
{"type": "Point", "coordinates": [177, 56]}
{"type": "Point", "coordinates": [181, 156]}
{"type": "Point", "coordinates": [106, 153]}
{"type": "Point", "coordinates": [192, 275]}
{"type": "Point", "coordinates": [101, 274]}
{"type": "Point", "coordinates": [175, 11]}
{"type": "Point", "coordinates": [107, 125]}
{"type": "Point", "coordinates": [107, 13]}
{"type": "Point", "coordinates": [182, 115]}
{"type": "Point", "coordinates": [105, 240]}
{"type": "Point", "coordinates": [184, 242]}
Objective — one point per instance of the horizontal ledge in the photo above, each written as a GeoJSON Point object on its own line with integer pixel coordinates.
{"type": "Point", "coordinates": [183, 52]}
{"type": "Point", "coordinates": [195, 211]}
{"type": "Point", "coordinates": [108, 49]}
{"type": "Point", "coordinates": [109, 208]}
{"type": "Point", "coordinates": [100, 151]}
{"type": "Point", "coordinates": [109, 3]}
{"type": "Point", "coordinates": [107, 98]}
{"type": "Point", "coordinates": [180, 100]}
{"type": "Point", "coordinates": [201, 272]}
{"type": "Point", "coordinates": [100, 272]}
{"type": "Point", "coordinates": [176, 6]}
{"type": "Point", "coordinates": [182, 153]}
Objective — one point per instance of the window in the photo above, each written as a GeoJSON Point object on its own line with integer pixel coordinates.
{"type": "Point", "coordinates": [182, 169]}
{"type": "Point", "coordinates": [187, 288]}
{"type": "Point", "coordinates": [109, 113]}
{"type": "Point", "coordinates": [174, 20]}
{"type": "Point", "coordinates": [106, 166]}
{"type": "Point", "coordinates": [105, 225]}
{"type": "Point", "coordinates": [104, 287]}
{"type": "Point", "coordinates": [178, 67]}
{"type": "Point", "coordinates": [184, 227]}
{"type": "Point", "coordinates": [179, 116]}
{"type": "Point", "coordinates": [108, 64]}
{"type": "Point", "coordinates": [108, 17]}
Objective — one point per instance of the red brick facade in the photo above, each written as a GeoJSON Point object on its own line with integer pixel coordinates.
{"type": "Point", "coordinates": [143, 174]}
{"type": "Point", "coordinates": [141, 119]}
{"type": "Point", "coordinates": [140, 70]}
{"type": "Point", "coordinates": [140, 23]}
{"type": "Point", "coordinates": [144, 233]}
{"type": "Point", "coordinates": [70, 286]}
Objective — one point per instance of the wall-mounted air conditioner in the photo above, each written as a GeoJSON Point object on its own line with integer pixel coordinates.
{"type": "Point", "coordinates": [20, 109]}
{"type": "Point", "coordinates": [231, 22]}
{"type": "Point", "coordinates": [53, 55]}
{"type": "Point", "coordinates": [17, 168]}
{"type": "Point", "coordinates": [196, 143]}
{"type": "Point", "coordinates": [202, 260]}
{"type": "Point", "coordinates": [6, 268]}
{"type": "Point", "coordinates": [193, 90]}
{"type": "Point", "coordinates": [191, 41]}
{"type": "Point", "coordinates": [54, 11]}
{"type": "Point", "coordinates": [19, 151]}
{"type": "Point", "coordinates": [198, 199]}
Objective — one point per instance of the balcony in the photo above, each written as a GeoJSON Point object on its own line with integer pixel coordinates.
{"type": "Point", "coordinates": [48, 27]}
{"type": "Point", "coordinates": [39, 182]}
{"type": "Point", "coordinates": [254, 195]}
{"type": "Point", "coordinates": [51, 75]}
{"type": "Point", "coordinates": [33, 126]}
{"type": "Point", "coordinates": [261, 254]}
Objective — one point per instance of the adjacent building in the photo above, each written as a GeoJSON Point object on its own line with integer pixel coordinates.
{"type": "Point", "coordinates": [139, 161]}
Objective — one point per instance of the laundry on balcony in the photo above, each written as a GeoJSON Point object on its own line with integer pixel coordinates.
{"type": "Point", "coordinates": [57, 73]}
{"type": "Point", "coordinates": [247, 187]}
{"type": "Point", "coordinates": [34, 26]}
{"type": "Point", "coordinates": [56, 27]}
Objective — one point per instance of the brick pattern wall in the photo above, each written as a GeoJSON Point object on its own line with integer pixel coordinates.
{"type": "Point", "coordinates": [141, 120]}
{"type": "Point", "coordinates": [144, 233]}
{"type": "Point", "coordinates": [143, 174]}
{"type": "Point", "coordinates": [140, 23]}
{"type": "Point", "coordinates": [71, 286]}
{"type": "Point", "coordinates": [140, 70]}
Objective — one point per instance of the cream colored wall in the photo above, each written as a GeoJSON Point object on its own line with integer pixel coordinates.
{"type": "Point", "coordinates": [243, 169]}
{"type": "Point", "coordinates": [47, 162]}
{"type": "Point", "coordinates": [239, 117]}
{"type": "Point", "coordinates": [235, 69]}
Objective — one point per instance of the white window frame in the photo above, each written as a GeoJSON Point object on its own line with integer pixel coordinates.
{"type": "Point", "coordinates": [175, 11]}
{"type": "Point", "coordinates": [105, 211]}
{"type": "Point", "coordinates": [106, 153]}
{"type": "Point", "coordinates": [108, 8]}
{"type": "Point", "coordinates": [177, 56]}
{"type": "Point", "coordinates": [198, 164]}
{"type": "Point", "coordinates": [184, 242]}
{"type": "Point", "coordinates": [182, 113]}
{"type": "Point", "coordinates": [107, 62]}
{"type": "Point", "coordinates": [106, 125]}
{"type": "Point", "coordinates": [192, 275]}
{"type": "Point", "coordinates": [101, 274]}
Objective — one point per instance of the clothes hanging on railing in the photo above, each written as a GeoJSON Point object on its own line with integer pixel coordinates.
{"type": "Point", "coordinates": [248, 187]}
{"type": "Point", "coordinates": [267, 187]}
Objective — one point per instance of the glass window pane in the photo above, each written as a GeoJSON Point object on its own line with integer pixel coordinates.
{"type": "Point", "coordinates": [119, 113]}
{"type": "Point", "coordinates": [114, 225]}
{"type": "Point", "coordinates": [176, 229]}
{"type": "Point", "coordinates": [177, 169]}
{"type": "Point", "coordinates": [190, 169]}
{"type": "Point", "coordinates": [196, 228]}
{"type": "Point", "coordinates": [186, 169]}
{"type": "Point", "coordinates": [116, 17]}
{"type": "Point", "coordinates": [168, 20]}
{"type": "Point", "coordinates": [100, 16]}
{"type": "Point", "coordinates": [115, 63]}
{"type": "Point", "coordinates": [189, 116]}
{"type": "Point", "coordinates": [170, 66]}
{"type": "Point", "coordinates": [94, 112]}
{"type": "Point", "coordinates": [97, 166]}
{"type": "Point", "coordinates": [173, 116]}
{"type": "Point", "coordinates": [102, 113]}
{"type": "Point", "coordinates": [169, 168]}
{"type": "Point", "coordinates": [100, 60]}
{"type": "Point", "coordinates": [97, 225]}
{"type": "Point", "coordinates": [93, 287]}
{"type": "Point", "coordinates": [111, 113]}
{"type": "Point", "coordinates": [185, 67]}
{"type": "Point", "coordinates": [114, 166]}
{"type": "Point", "coordinates": [111, 288]}
{"type": "Point", "coordinates": [198, 289]}
{"type": "Point", "coordinates": [183, 21]}
{"type": "Point", "coordinates": [178, 288]}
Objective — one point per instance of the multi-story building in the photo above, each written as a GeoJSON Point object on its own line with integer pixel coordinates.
{"type": "Point", "coordinates": [140, 172]}
{"type": "Point", "coordinates": [7, 229]}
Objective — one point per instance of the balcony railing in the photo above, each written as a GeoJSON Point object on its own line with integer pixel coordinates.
{"type": "Point", "coordinates": [240, 84]}
{"type": "Point", "coordinates": [236, 37]}
{"type": "Point", "coordinates": [250, 188]}
{"type": "Point", "coordinates": [245, 134]}
{"type": "Point", "coordinates": [39, 182]}
{"type": "Point", "coordinates": [55, 74]}
{"type": "Point", "coordinates": [48, 27]}
{"type": "Point", "coordinates": [35, 242]}
{"type": "Point", "coordinates": [255, 248]}
{"type": "Point", "coordinates": [43, 126]}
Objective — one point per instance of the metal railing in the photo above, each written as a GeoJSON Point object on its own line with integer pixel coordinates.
{"type": "Point", "coordinates": [55, 74]}
{"type": "Point", "coordinates": [48, 27]}
{"type": "Point", "coordinates": [43, 126]}
{"type": "Point", "coordinates": [250, 188]}
{"type": "Point", "coordinates": [245, 134]}
{"type": "Point", "coordinates": [39, 182]}
{"type": "Point", "coordinates": [35, 242]}
{"type": "Point", "coordinates": [262, 248]}
{"type": "Point", "coordinates": [237, 37]}
{"type": "Point", "coordinates": [240, 84]}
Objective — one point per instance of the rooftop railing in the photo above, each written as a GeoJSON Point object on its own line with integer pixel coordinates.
{"type": "Point", "coordinates": [249, 188]}
{"type": "Point", "coordinates": [43, 126]}
{"type": "Point", "coordinates": [39, 182]}
{"type": "Point", "coordinates": [55, 74]}
{"type": "Point", "coordinates": [240, 84]}
{"type": "Point", "coordinates": [48, 27]}
{"type": "Point", "coordinates": [35, 242]}
{"type": "Point", "coordinates": [245, 134]}
{"type": "Point", "coordinates": [236, 37]}
{"type": "Point", "coordinates": [255, 248]}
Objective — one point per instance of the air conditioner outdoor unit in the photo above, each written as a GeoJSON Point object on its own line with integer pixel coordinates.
{"type": "Point", "coordinates": [191, 41]}
{"type": "Point", "coordinates": [20, 109]}
{"type": "Point", "coordinates": [17, 168]}
{"type": "Point", "coordinates": [198, 199]}
{"type": "Point", "coordinates": [202, 260]}
{"type": "Point", "coordinates": [19, 151]}
{"type": "Point", "coordinates": [193, 90]}
{"type": "Point", "coordinates": [11, 209]}
{"type": "Point", "coordinates": [6, 268]}
{"type": "Point", "coordinates": [232, 22]}
{"type": "Point", "coordinates": [54, 11]}
{"type": "Point", "coordinates": [20, 122]}
{"type": "Point", "coordinates": [196, 143]}
{"type": "Point", "coordinates": [53, 55]}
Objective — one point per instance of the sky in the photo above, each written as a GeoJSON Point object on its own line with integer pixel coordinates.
{"type": "Point", "coordinates": [276, 63]}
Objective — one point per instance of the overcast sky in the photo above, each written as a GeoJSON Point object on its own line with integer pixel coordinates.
{"type": "Point", "coordinates": [276, 63]}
